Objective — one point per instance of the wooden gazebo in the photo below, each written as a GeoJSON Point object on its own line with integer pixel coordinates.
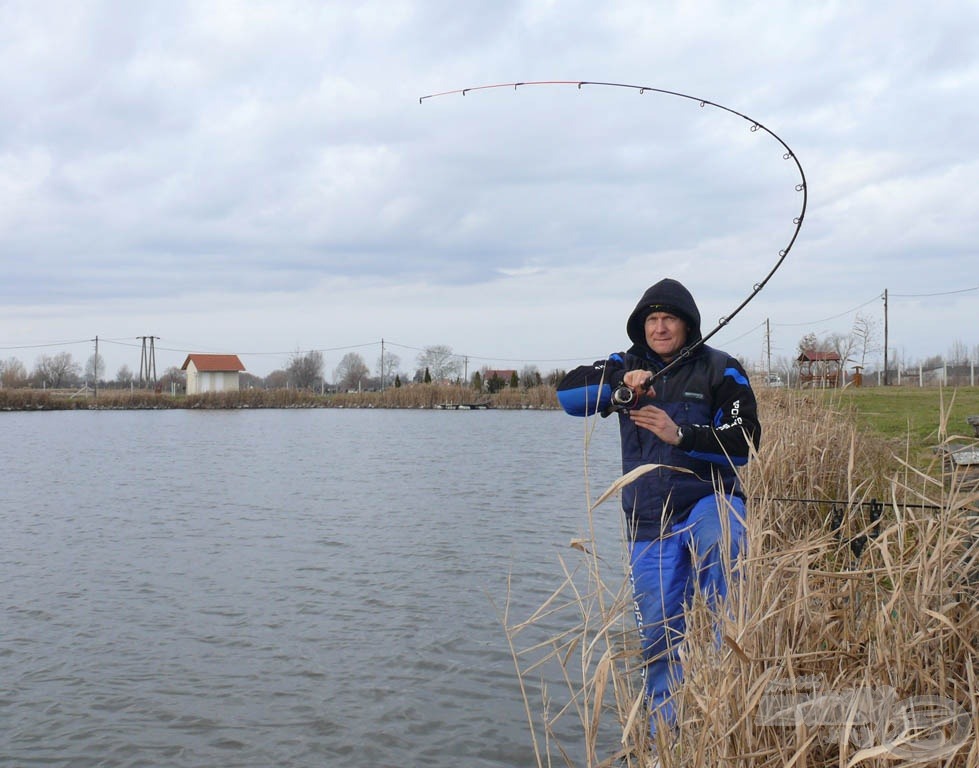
{"type": "Point", "coordinates": [819, 369]}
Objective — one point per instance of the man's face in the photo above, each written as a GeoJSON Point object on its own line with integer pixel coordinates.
{"type": "Point", "coordinates": [665, 334]}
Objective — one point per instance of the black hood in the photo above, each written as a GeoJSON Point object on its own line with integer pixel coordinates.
{"type": "Point", "coordinates": [666, 296]}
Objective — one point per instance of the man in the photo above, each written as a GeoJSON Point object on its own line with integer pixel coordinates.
{"type": "Point", "coordinates": [699, 420]}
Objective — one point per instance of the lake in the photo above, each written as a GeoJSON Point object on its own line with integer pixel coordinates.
{"type": "Point", "coordinates": [280, 587]}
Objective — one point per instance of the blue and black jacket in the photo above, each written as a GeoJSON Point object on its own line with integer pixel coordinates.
{"type": "Point", "coordinates": [707, 394]}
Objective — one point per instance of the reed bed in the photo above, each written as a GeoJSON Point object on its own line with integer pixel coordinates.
{"type": "Point", "coordinates": [141, 399]}
{"type": "Point", "coordinates": [829, 653]}
{"type": "Point", "coordinates": [414, 396]}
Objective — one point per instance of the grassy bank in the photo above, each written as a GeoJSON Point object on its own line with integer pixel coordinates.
{"type": "Point", "coordinates": [913, 422]}
{"type": "Point", "coordinates": [832, 654]}
{"type": "Point", "coordinates": [415, 396]}
{"type": "Point", "coordinates": [897, 412]}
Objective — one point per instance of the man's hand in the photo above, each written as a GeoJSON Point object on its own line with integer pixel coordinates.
{"type": "Point", "coordinates": [656, 421]}
{"type": "Point", "coordinates": [637, 381]}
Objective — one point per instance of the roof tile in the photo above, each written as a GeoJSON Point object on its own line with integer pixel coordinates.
{"type": "Point", "coordinates": [214, 362]}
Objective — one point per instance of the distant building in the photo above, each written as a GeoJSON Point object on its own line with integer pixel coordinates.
{"type": "Point", "coordinates": [495, 379]}
{"type": "Point", "coordinates": [503, 374]}
{"type": "Point", "coordinates": [212, 373]}
{"type": "Point", "coordinates": [819, 369]}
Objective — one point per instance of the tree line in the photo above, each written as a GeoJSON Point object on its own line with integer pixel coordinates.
{"type": "Point", "coordinates": [435, 364]}
{"type": "Point", "coordinates": [862, 347]}
{"type": "Point", "coordinates": [304, 371]}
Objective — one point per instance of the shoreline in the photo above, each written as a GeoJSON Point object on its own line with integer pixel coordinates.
{"type": "Point", "coordinates": [422, 397]}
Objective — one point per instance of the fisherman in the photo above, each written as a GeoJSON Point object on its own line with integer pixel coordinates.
{"type": "Point", "coordinates": [685, 520]}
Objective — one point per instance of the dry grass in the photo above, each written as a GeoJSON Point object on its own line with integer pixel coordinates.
{"type": "Point", "coordinates": [857, 636]}
{"type": "Point", "coordinates": [141, 399]}
{"type": "Point", "coordinates": [414, 396]}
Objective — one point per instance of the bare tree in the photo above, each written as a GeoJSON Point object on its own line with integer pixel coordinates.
{"type": "Point", "coordinates": [842, 344]}
{"type": "Point", "coordinates": [278, 379]}
{"type": "Point", "coordinates": [958, 353]}
{"type": "Point", "coordinates": [809, 343]}
{"type": "Point", "coordinates": [306, 371]}
{"type": "Point", "coordinates": [554, 377]}
{"type": "Point", "coordinates": [864, 332]}
{"type": "Point", "coordinates": [174, 379]}
{"type": "Point", "coordinates": [250, 381]}
{"type": "Point", "coordinates": [124, 375]}
{"type": "Point", "coordinates": [441, 362]}
{"type": "Point", "coordinates": [530, 377]}
{"type": "Point", "coordinates": [12, 373]}
{"type": "Point", "coordinates": [57, 371]}
{"type": "Point", "coordinates": [387, 367]}
{"type": "Point", "coordinates": [784, 365]}
{"type": "Point", "coordinates": [95, 368]}
{"type": "Point", "coordinates": [350, 372]}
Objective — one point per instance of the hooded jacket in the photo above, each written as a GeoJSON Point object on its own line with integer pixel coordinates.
{"type": "Point", "coordinates": [707, 394]}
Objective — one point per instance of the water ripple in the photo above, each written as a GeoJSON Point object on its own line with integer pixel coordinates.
{"type": "Point", "coordinates": [276, 588]}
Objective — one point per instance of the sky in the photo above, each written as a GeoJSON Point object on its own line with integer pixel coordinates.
{"type": "Point", "coordinates": [261, 178]}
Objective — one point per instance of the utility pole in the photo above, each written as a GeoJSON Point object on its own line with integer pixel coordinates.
{"type": "Point", "coordinates": [95, 367]}
{"type": "Point", "coordinates": [147, 362]}
{"type": "Point", "coordinates": [382, 365]}
{"type": "Point", "coordinates": [887, 379]}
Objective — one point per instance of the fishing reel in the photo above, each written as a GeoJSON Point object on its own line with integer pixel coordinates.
{"type": "Point", "coordinates": [623, 400]}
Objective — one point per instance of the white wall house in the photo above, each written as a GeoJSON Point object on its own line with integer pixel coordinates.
{"type": "Point", "coordinates": [212, 373]}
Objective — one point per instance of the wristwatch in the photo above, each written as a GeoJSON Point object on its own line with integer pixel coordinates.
{"type": "Point", "coordinates": [679, 434]}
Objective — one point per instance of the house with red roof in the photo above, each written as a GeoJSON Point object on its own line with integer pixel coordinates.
{"type": "Point", "coordinates": [212, 373]}
{"type": "Point", "coordinates": [494, 379]}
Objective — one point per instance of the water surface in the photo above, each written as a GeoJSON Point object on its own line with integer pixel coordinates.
{"type": "Point", "coordinates": [281, 587]}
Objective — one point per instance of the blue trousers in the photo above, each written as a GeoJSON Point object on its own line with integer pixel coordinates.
{"type": "Point", "coordinates": [665, 573]}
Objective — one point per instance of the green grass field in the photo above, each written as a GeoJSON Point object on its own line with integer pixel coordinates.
{"type": "Point", "coordinates": [912, 421]}
{"type": "Point", "coordinates": [900, 412]}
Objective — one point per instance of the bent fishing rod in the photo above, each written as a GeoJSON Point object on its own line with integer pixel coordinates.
{"type": "Point", "coordinates": [755, 125]}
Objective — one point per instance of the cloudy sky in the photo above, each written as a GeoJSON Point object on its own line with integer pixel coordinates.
{"type": "Point", "coordinates": [260, 177]}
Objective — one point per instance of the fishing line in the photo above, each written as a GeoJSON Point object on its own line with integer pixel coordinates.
{"type": "Point", "coordinates": [754, 126]}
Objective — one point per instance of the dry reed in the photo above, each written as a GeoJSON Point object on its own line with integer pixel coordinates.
{"type": "Point", "coordinates": [832, 654]}
{"type": "Point", "coordinates": [141, 399]}
{"type": "Point", "coordinates": [412, 396]}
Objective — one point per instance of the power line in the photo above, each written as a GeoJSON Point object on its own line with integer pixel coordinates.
{"type": "Point", "coordinates": [834, 317]}
{"type": "Point", "coordinates": [501, 359]}
{"type": "Point", "coordinates": [188, 350]}
{"type": "Point", "coordinates": [746, 333]}
{"type": "Point", "coordinates": [137, 342]}
{"type": "Point", "coordinates": [48, 344]}
{"type": "Point", "coordinates": [929, 295]}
